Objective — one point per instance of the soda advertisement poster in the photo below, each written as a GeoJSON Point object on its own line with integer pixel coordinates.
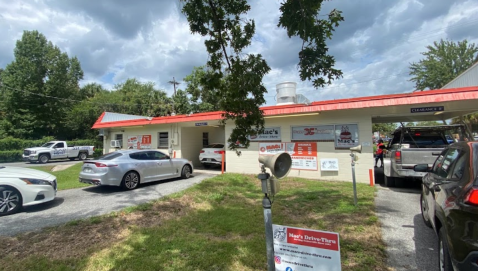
{"type": "Point", "coordinates": [139, 142]}
{"type": "Point", "coordinates": [303, 154]}
{"type": "Point", "coordinates": [300, 249]}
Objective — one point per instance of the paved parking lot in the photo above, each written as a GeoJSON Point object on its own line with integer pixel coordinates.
{"type": "Point", "coordinates": [410, 244]}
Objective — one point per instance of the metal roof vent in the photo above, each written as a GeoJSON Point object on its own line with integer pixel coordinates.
{"type": "Point", "coordinates": [286, 93]}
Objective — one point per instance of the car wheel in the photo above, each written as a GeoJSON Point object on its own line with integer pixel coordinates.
{"type": "Point", "coordinates": [130, 180]}
{"type": "Point", "coordinates": [424, 207]}
{"type": "Point", "coordinates": [186, 172]}
{"type": "Point", "coordinates": [389, 181]}
{"type": "Point", "coordinates": [10, 200]}
{"type": "Point", "coordinates": [44, 158]}
{"type": "Point", "coordinates": [444, 263]}
{"type": "Point", "coordinates": [82, 156]}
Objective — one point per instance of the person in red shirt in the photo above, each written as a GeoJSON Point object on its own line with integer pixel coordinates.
{"type": "Point", "coordinates": [379, 153]}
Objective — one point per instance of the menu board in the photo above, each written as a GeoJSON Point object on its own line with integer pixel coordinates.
{"type": "Point", "coordinates": [139, 142]}
{"type": "Point", "coordinates": [303, 154]}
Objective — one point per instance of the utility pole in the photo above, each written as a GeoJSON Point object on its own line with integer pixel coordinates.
{"type": "Point", "coordinates": [174, 83]}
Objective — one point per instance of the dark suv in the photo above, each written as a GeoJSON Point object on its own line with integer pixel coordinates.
{"type": "Point", "coordinates": [449, 204]}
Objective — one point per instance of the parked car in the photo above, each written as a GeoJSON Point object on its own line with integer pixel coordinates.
{"type": "Point", "coordinates": [212, 155]}
{"type": "Point", "coordinates": [449, 204]}
{"type": "Point", "coordinates": [57, 150]}
{"type": "Point", "coordinates": [24, 187]}
{"type": "Point", "coordinates": [129, 168]}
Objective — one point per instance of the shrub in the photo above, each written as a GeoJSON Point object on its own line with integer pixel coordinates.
{"type": "Point", "coordinates": [11, 156]}
{"type": "Point", "coordinates": [98, 153]}
{"type": "Point", "coordinates": [15, 144]}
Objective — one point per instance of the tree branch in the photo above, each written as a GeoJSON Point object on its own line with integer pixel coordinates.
{"type": "Point", "coordinates": [213, 8]}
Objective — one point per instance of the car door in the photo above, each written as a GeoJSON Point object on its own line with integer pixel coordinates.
{"type": "Point", "coordinates": [430, 180]}
{"type": "Point", "coordinates": [59, 151]}
{"type": "Point", "coordinates": [164, 164]}
{"type": "Point", "coordinates": [144, 164]}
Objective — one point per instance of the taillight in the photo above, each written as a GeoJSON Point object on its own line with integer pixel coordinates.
{"type": "Point", "coordinates": [219, 152]}
{"type": "Point", "coordinates": [104, 165]}
{"type": "Point", "coordinates": [202, 151]}
{"type": "Point", "coordinates": [472, 197]}
{"type": "Point", "coordinates": [398, 156]}
{"type": "Point", "coordinates": [93, 148]}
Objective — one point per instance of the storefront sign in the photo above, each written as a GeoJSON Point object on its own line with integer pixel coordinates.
{"type": "Point", "coordinates": [346, 135]}
{"type": "Point", "coordinates": [324, 132]}
{"type": "Point", "coordinates": [201, 123]}
{"type": "Point", "coordinates": [304, 249]}
{"type": "Point", "coordinates": [139, 142]}
{"type": "Point", "coordinates": [427, 109]}
{"type": "Point", "coordinates": [269, 134]}
{"type": "Point", "coordinates": [303, 154]}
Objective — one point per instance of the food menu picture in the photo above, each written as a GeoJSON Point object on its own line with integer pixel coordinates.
{"type": "Point", "coordinates": [303, 154]}
{"type": "Point", "coordinates": [346, 135]}
{"type": "Point", "coordinates": [139, 142]}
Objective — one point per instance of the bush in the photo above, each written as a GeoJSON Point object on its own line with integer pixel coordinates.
{"type": "Point", "coordinates": [98, 153]}
{"type": "Point", "coordinates": [11, 156]}
{"type": "Point", "coordinates": [15, 144]}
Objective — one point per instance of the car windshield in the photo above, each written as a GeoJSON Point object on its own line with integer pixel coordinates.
{"type": "Point", "coordinates": [216, 146]}
{"type": "Point", "coordinates": [47, 145]}
{"type": "Point", "coordinates": [110, 156]}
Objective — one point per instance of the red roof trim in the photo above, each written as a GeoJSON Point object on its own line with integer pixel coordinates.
{"type": "Point", "coordinates": [430, 96]}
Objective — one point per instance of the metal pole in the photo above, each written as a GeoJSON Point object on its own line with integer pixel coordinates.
{"type": "Point", "coordinates": [266, 204]}
{"type": "Point", "coordinates": [353, 178]}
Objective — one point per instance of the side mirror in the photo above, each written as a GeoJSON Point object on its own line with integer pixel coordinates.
{"type": "Point", "coordinates": [421, 168]}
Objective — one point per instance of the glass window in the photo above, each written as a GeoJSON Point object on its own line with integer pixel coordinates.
{"type": "Point", "coordinates": [159, 155]}
{"type": "Point", "coordinates": [139, 156]}
{"type": "Point", "coordinates": [443, 168]}
{"type": "Point", "coordinates": [205, 139]}
{"type": "Point", "coordinates": [120, 138]}
{"type": "Point", "coordinates": [163, 140]}
{"type": "Point", "coordinates": [216, 146]}
{"type": "Point", "coordinates": [60, 145]}
{"type": "Point", "coordinates": [110, 156]}
{"type": "Point", "coordinates": [459, 169]}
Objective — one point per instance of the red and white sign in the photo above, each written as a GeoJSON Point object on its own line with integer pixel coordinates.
{"type": "Point", "coordinates": [346, 135]}
{"type": "Point", "coordinates": [322, 132]}
{"type": "Point", "coordinates": [304, 249]}
{"type": "Point", "coordinates": [139, 142]}
{"type": "Point", "coordinates": [303, 154]}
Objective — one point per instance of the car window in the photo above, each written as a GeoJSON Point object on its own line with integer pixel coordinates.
{"type": "Point", "coordinates": [460, 167]}
{"type": "Point", "coordinates": [110, 156]}
{"type": "Point", "coordinates": [439, 161]}
{"type": "Point", "coordinates": [60, 145]}
{"type": "Point", "coordinates": [216, 146]}
{"type": "Point", "coordinates": [159, 156]}
{"type": "Point", "coordinates": [443, 168]}
{"type": "Point", "coordinates": [139, 156]}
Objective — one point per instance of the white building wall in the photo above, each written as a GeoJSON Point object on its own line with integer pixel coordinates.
{"type": "Point", "coordinates": [248, 163]}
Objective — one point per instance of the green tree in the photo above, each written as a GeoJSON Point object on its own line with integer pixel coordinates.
{"type": "Point", "coordinates": [40, 86]}
{"type": "Point", "coordinates": [237, 76]}
{"type": "Point", "coordinates": [203, 99]}
{"type": "Point", "coordinates": [182, 104]}
{"type": "Point", "coordinates": [443, 62]}
{"type": "Point", "coordinates": [384, 128]}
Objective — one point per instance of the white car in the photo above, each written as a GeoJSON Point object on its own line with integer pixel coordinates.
{"type": "Point", "coordinates": [24, 187]}
{"type": "Point", "coordinates": [212, 155]}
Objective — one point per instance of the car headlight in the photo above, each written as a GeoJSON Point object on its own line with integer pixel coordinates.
{"type": "Point", "coordinates": [35, 181]}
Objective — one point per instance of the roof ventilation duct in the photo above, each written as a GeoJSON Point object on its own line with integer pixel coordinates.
{"type": "Point", "coordinates": [286, 93]}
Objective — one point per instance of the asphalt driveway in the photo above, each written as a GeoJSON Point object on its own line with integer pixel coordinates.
{"type": "Point", "coordinates": [91, 201]}
{"type": "Point", "coordinates": [410, 244]}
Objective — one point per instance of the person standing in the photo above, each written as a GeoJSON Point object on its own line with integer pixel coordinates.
{"type": "Point", "coordinates": [379, 153]}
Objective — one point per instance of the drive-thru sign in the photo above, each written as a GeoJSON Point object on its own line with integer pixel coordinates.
{"type": "Point", "coordinates": [303, 249]}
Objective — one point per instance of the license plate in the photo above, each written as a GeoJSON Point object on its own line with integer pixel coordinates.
{"type": "Point", "coordinates": [88, 170]}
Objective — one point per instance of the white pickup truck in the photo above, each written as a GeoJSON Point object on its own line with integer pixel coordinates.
{"type": "Point", "coordinates": [57, 150]}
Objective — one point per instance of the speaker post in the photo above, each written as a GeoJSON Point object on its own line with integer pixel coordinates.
{"type": "Point", "coordinates": [354, 158]}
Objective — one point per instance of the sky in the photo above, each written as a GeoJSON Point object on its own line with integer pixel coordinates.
{"type": "Point", "coordinates": [150, 40]}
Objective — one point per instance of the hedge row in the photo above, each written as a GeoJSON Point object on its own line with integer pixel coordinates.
{"type": "Point", "coordinates": [16, 156]}
{"type": "Point", "coordinates": [15, 144]}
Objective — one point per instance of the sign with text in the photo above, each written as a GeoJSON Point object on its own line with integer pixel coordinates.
{"type": "Point", "coordinates": [269, 134]}
{"type": "Point", "coordinates": [329, 164]}
{"type": "Point", "coordinates": [323, 132]}
{"type": "Point", "coordinates": [304, 249]}
{"type": "Point", "coordinates": [303, 154]}
{"type": "Point", "coordinates": [427, 109]}
{"type": "Point", "coordinates": [201, 124]}
{"type": "Point", "coordinates": [139, 142]}
{"type": "Point", "coordinates": [346, 135]}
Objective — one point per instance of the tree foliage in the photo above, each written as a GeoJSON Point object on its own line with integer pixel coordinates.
{"type": "Point", "coordinates": [384, 128]}
{"type": "Point", "coordinates": [203, 98]}
{"type": "Point", "coordinates": [236, 77]}
{"type": "Point", "coordinates": [443, 62]}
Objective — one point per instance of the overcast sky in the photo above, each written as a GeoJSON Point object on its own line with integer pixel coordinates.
{"type": "Point", "coordinates": [150, 40]}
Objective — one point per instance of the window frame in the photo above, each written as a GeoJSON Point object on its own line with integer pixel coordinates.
{"type": "Point", "coordinates": [163, 138]}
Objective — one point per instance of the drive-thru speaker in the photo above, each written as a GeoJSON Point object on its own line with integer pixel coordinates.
{"type": "Point", "coordinates": [279, 164]}
{"type": "Point", "coordinates": [356, 149]}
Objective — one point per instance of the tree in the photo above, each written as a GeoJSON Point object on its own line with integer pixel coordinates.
{"type": "Point", "coordinates": [443, 62]}
{"type": "Point", "coordinates": [237, 76]}
{"type": "Point", "coordinates": [384, 128]}
{"type": "Point", "coordinates": [203, 99]}
{"type": "Point", "coordinates": [39, 86]}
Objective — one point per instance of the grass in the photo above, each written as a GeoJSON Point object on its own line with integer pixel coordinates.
{"type": "Point", "coordinates": [67, 178]}
{"type": "Point", "coordinates": [215, 225]}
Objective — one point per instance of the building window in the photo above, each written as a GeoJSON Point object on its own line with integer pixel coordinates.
{"type": "Point", "coordinates": [120, 138]}
{"type": "Point", "coordinates": [163, 140]}
{"type": "Point", "coordinates": [205, 139]}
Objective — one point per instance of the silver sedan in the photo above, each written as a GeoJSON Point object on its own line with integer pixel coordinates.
{"type": "Point", "coordinates": [129, 168]}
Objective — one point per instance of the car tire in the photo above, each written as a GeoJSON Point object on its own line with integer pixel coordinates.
{"type": "Point", "coordinates": [424, 208]}
{"type": "Point", "coordinates": [82, 156]}
{"type": "Point", "coordinates": [44, 158]}
{"type": "Point", "coordinates": [130, 180]}
{"type": "Point", "coordinates": [186, 172]}
{"type": "Point", "coordinates": [444, 259]}
{"type": "Point", "coordinates": [11, 200]}
{"type": "Point", "coordinates": [388, 181]}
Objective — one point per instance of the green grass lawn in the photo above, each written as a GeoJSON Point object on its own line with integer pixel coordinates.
{"type": "Point", "coordinates": [67, 178]}
{"type": "Point", "coordinates": [215, 225]}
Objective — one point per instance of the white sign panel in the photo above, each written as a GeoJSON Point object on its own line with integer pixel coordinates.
{"type": "Point", "coordinates": [304, 249]}
{"type": "Point", "coordinates": [271, 148]}
{"type": "Point", "coordinates": [346, 135]}
{"type": "Point", "coordinates": [329, 164]}
{"type": "Point", "coordinates": [324, 132]}
{"type": "Point", "coordinates": [269, 134]}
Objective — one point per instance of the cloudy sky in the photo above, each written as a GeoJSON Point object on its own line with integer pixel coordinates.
{"type": "Point", "coordinates": [150, 40]}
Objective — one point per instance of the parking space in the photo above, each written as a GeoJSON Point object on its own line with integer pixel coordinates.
{"type": "Point", "coordinates": [410, 244]}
